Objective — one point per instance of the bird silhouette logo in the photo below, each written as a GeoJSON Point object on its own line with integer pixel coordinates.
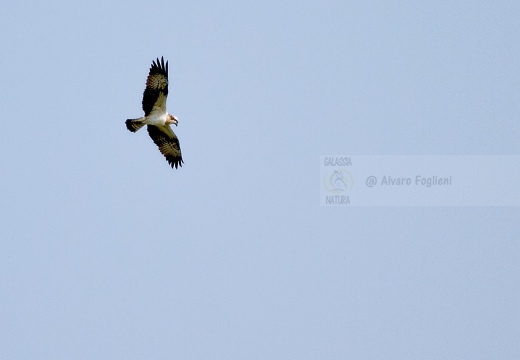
{"type": "Point", "coordinates": [338, 181]}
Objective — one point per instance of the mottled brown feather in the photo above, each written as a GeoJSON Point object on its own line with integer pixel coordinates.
{"type": "Point", "coordinates": [156, 90]}
{"type": "Point", "coordinates": [167, 142]}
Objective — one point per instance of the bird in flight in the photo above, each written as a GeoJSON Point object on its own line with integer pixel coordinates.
{"type": "Point", "coordinates": [156, 117]}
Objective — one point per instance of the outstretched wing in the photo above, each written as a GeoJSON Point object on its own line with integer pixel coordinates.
{"type": "Point", "coordinates": [156, 89]}
{"type": "Point", "coordinates": [164, 137]}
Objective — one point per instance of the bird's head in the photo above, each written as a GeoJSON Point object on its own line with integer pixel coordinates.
{"type": "Point", "coordinates": [172, 120]}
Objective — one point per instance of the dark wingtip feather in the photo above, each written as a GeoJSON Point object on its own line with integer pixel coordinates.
{"type": "Point", "coordinates": [175, 162]}
{"type": "Point", "coordinates": [158, 66]}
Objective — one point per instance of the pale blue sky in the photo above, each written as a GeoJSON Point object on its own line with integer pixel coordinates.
{"type": "Point", "coordinates": [107, 253]}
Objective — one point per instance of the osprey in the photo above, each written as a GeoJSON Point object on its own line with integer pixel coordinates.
{"type": "Point", "coordinates": [155, 116]}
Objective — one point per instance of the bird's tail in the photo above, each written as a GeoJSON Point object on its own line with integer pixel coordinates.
{"type": "Point", "coordinates": [135, 124]}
